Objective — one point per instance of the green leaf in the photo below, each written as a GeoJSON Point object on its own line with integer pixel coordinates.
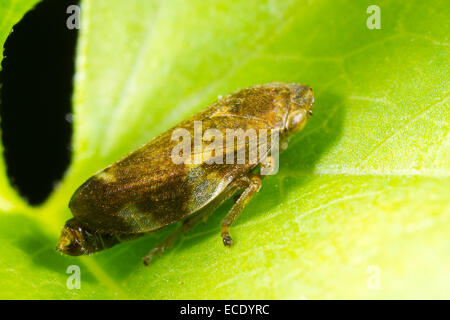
{"type": "Point", "coordinates": [360, 206]}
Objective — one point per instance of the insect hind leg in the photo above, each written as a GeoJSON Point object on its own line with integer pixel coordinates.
{"type": "Point", "coordinates": [168, 242]}
{"type": "Point", "coordinates": [251, 184]}
{"type": "Point", "coordinates": [163, 246]}
{"type": "Point", "coordinates": [189, 223]}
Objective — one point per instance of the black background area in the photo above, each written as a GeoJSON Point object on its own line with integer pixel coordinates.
{"type": "Point", "coordinates": [35, 99]}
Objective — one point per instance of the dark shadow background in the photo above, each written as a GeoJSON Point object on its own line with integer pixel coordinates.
{"type": "Point", "coordinates": [35, 99]}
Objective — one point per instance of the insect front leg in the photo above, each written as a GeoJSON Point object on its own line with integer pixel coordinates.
{"type": "Point", "coordinates": [251, 184]}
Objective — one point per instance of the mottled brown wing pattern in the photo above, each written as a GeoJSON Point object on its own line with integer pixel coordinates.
{"type": "Point", "coordinates": [146, 191]}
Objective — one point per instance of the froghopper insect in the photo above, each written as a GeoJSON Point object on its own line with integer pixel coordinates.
{"type": "Point", "coordinates": [146, 190]}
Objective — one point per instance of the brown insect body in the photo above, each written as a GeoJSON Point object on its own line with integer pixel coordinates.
{"type": "Point", "coordinates": [146, 190]}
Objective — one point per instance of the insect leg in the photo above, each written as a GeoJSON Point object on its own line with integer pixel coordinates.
{"type": "Point", "coordinates": [189, 223]}
{"type": "Point", "coordinates": [163, 246]}
{"type": "Point", "coordinates": [252, 184]}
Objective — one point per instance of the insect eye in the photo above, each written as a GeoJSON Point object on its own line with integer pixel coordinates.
{"type": "Point", "coordinates": [296, 121]}
{"type": "Point", "coordinates": [310, 112]}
